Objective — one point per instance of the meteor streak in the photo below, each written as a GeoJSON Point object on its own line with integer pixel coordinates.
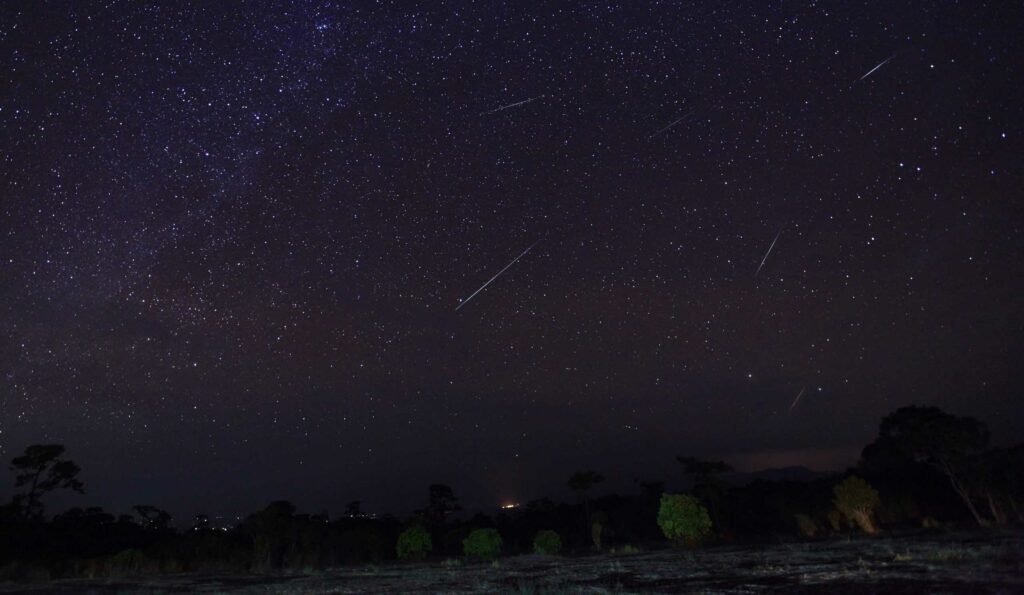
{"type": "Point", "coordinates": [674, 122]}
{"type": "Point", "coordinates": [511, 105]}
{"type": "Point", "coordinates": [881, 64]}
{"type": "Point", "coordinates": [466, 301]}
{"type": "Point", "coordinates": [797, 399]}
{"type": "Point", "coordinates": [767, 253]}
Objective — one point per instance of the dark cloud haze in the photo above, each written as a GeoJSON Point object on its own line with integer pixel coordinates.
{"type": "Point", "coordinates": [233, 236]}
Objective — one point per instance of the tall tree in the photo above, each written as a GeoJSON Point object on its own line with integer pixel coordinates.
{"type": "Point", "coordinates": [273, 534]}
{"type": "Point", "coordinates": [702, 472]}
{"type": "Point", "coordinates": [42, 470]}
{"type": "Point", "coordinates": [931, 436]}
{"type": "Point", "coordinates": [996, 477]}
{"type": "Point", "coordinates": [706, 485]}
{"type": "Point", "coordinates": [581, 482]}
{"type": "Point", "coordinates": [442, 503]}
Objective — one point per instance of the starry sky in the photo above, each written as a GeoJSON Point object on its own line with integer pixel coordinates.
{"type": "Point", "coordinates": [234, 235]}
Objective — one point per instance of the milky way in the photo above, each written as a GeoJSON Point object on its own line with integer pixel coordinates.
{"type": "Point", "coordinates": [232, 236]}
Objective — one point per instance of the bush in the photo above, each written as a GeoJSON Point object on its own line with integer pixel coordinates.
{"type": "Point", "coordinates": [365, 543]}
{"type": "Point", "coordinates": [414, 544]}
{"type": "Point", "coordinates": [806, 525]}
{"type": "Point", "coordinates": [682, 518]}
{"type": "Point", "coordinates": [834, 519]}
{"type": "Point", "coordinates": [132, 562]}
{"type": "Point", "coordinates": [856, 499]}
{"type": "Point", "coordinates": [483, 544]}
{"type": "Point", "coordinates": [451, 540]}
{"type": "Point", "coordinates": [597, 525]}
{"type": "Point", "coordinates": [547, 542]}
{"type": "Point", "coordinates": [17, 570]}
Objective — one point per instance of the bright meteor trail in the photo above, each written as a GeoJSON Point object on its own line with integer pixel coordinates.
{"type": "Point", "coordinates": [466, 301]}
{"type": "Point", "coordinates": [767, 253]}
{"type": "Point", "coordinates": [881, 64]}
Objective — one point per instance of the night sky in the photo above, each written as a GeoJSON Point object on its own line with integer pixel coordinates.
{"type": "Point", "coordinates": [234, 235]}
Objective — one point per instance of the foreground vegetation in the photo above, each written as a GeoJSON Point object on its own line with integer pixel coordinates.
{"type": "Point", "coordinates": [926, 471]}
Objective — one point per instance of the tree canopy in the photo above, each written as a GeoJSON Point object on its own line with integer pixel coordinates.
{"type": "Point", "coordinates": [933, 437]}
{"type": "Point", "coordinates": [42, 470]}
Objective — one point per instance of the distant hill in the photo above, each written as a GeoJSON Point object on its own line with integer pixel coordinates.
{"type": "Point", "coordinates": [795, 473]}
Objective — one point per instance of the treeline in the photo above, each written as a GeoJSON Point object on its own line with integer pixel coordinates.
{"type": "Point", "coordinates": [926, 470]}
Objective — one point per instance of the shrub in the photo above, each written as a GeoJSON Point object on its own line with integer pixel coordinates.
{"type": "Point", "coordinates": [451, 540]}
{"type": "Point", "coordinates": [483, 544]}
{"type": "Point", "coordinates": [17, 570]}
{"type": "Point", "coordinates": [132, 562]}
{"type": "Point", "coordinates": [806, 525]}
{"type": "Point", "coordinates": [414, 544]}
{"type": "Point", "coordinates": [856, 499]}
{"type": "Point", "coordinates": [365, 543]}
{"type": "Point", "coordinates": [597, 525]}
{"type": "Point", "coordinates": [834, 518]}
{"type": "Point", "coordinates": [682, 518]}
{"type": "Point", "coordinates": [547, 542]}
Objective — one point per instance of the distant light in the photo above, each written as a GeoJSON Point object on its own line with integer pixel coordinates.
{"type": "Point", "coordinates": [508, 506]}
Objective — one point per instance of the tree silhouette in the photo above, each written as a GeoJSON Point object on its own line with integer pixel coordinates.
{"type": "Point", "coordinates": [1011, 479]}
{"type": "Point", "coordinates": [441, 504]}
{"type": "Point", "coordinates": [931, 436]}
{"type": "Point", "coordinates": [352, 509]}
{"type": "Point", "coordinates": [581, 482]}
{"type": "Point", "coordinates": [702, 472]}
{"type": "Point", "coordinates": [706, 485]}
{"type": "Point", "coordinates": [43, 471]}
{"type": "Point", "coordinates": [995, 477]}
{"type": "Point", "coordinates": [153, 517]}
{"type": "Point", "coordinates": [272, 533]}
{"type": "Point", "coordinates": [651, 489]}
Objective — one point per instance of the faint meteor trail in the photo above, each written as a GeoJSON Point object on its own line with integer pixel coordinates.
{"type": "Point", "coordinates": [767, 253]}
{"type": "Point", "coordinates": [511, 105]}
{"type": "Point", "coordinates": [466, 301]}
{"type": "Point", "coordinates": [881, 64]}
{"type": "Point", "coordinates": [674, 122]}
{"type": "Point", "coordinates": [797, 399]}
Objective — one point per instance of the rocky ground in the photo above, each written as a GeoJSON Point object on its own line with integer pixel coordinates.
{"type": "Point", "coordinates": [929, 563]}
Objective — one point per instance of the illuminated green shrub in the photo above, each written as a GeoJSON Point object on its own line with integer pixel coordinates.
{"type": "Point", "coordinates": [683, 518]}
{"type": "Point", "coordinates": [414, 544]}
{"type": "Point", "coordinates": [482, 544]}
{"type": "Point", "coordinates": [857, 500]}
{"type": "Point", "coordinates": [547, 542]}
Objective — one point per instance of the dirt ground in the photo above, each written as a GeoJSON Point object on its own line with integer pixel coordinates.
{"type": "Point", "coordinates": [933, 563]}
